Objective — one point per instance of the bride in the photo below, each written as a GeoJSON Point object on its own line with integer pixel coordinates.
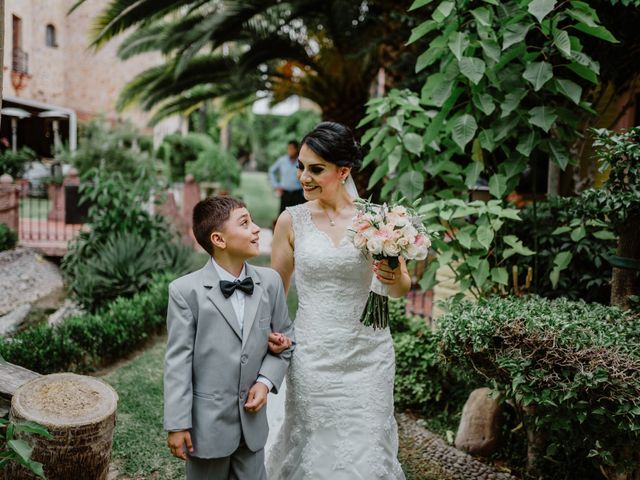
{"type": "Point", "coordinates": [338, 414]}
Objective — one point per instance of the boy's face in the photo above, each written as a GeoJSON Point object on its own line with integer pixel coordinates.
{"type": "Point", "coordinates": [239, 236]}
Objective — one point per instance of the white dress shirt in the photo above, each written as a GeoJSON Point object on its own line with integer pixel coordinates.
{"type": "Point", "coordinates": [237, 302]}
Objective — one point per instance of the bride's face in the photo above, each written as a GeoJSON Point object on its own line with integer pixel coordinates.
{"type": "Point", "coordinates": [319, 179]}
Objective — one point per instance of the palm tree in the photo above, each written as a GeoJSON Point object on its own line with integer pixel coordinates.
{"type": "Point", "coordinates": [328, 51]}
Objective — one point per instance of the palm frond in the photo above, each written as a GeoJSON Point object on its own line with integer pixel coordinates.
{"type": "Point", "coordinates": [119, 15]}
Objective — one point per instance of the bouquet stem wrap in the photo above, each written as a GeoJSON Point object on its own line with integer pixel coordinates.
{"type": "Point", "coordinates": [376, 311]}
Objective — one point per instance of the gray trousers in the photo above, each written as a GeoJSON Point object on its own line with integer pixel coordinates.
{"type": "Point", "coordinates": [243, 464]}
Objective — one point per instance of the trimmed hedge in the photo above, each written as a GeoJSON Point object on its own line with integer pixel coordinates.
{"type": "Point", "coordinates": [425, 382]}
{"type": "Point", "coordinates": [571, 369]}
{"type": "Point", "coordinates": [8, 238]}
{"type": "Point", "coordinates": [86, 342]}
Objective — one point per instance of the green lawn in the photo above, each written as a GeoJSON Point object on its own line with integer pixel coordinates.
{"type": "Point", "coordinates": [139, 444]}
{"type": "Point", "coordinates": [260, 198]}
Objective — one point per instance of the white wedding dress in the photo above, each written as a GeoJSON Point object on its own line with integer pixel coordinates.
{"type": "Point", "coordinates": [338, 414]}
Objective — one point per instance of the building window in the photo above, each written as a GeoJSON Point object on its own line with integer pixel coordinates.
{"type": "Point", "coordinates": [51, 36]}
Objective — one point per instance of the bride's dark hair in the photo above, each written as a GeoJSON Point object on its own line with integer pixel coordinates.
{"type": "Point", "coordinates": [335, 143]}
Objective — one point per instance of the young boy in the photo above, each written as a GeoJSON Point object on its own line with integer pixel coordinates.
{"type": "Point", "coordinates": [218, 370]}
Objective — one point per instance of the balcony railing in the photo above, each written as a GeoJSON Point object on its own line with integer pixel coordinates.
{"type": "Point", "coordinates": [20, 63]}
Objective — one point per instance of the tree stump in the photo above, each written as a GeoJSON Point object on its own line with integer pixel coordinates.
{"type": "Point", "coordinates": [80, 413]}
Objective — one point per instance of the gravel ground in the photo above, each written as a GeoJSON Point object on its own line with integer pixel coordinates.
{"type": "Point", "coordinates": [426, 456]}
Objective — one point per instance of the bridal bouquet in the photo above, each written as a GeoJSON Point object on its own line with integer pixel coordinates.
{"type": "Point", "coordinates": [386, 232]}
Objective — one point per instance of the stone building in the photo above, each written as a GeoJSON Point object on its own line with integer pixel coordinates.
{"type": "Point", "coordinates": [49, 67]}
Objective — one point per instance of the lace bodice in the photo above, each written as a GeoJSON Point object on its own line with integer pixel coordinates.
{"type": "Point", "coordinates": [338, 415]}
{"type": "Point", "coordinates": [333, 278]}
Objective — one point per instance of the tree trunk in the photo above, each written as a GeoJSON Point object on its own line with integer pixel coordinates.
{"type": "Point", "coordinates": [536, 442]}
{"type": "Point", "coordinates": [624, 281]}
{"type": "Point", "coordinates": [80, 413]}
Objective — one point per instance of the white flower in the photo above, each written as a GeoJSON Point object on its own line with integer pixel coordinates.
{"type": "Point", "coordinates": [409, 231]}
{"type": "Point", "coordinates": [374, 245]}
{"type": "Point", "coordinates": [399, 210]}
{"type": "Point", "coordinates": [390, 248]}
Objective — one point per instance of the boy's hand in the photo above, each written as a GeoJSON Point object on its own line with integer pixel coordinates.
{"type": "Point", "coordinates": [176, 441]}
{"type": "Point", "coordinates": [278, 342]}
{"type": "Point", "coordinates": [257, 397]}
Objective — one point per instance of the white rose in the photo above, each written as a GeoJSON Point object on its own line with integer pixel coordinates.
{"type": "Point", "coordinates": [409, 231]}
{"type": "Point", "coordinates": [399, 209]}
{"type": "Point", "coordinates": [390, 248]}
{"type": "Point", "coordinates": [374, 245]}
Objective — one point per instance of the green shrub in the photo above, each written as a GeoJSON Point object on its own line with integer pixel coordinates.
{"type": "Point", "coordinates": [572, 370]}
{"type": "Point", "coordinates": [565, 224]}
{"type": "Point", "coordinates": [14, 163]}
{"type": "Point", "coordinates": [118, 148]}
{"type": "Point", "coordinates": [215, 165]}
{"type": "Point", "coordinates": [86, 342]}
{"type": "Point", "coordinates": [177, 150]}
{"type": "Point", "coordinates": [124, 266]}
{"type": "Point", "coordinates": [8, 238]}
{"type": "Point", "coordinates": [425, 382]}
{"type": "Point", "coordinates": [116, 206]}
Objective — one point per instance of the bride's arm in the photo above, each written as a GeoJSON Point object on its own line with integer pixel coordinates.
{"type": "Point", "coordinates": [282, 248]}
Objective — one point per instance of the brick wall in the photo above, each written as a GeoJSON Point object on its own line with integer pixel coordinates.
{"type": "Point", "coordinates": [70, 75]}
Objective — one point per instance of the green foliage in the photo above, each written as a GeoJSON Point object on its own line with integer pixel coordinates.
{"type": "Point", "coordinates": [178, 150]}
{"type": "Point", "coordinates": [86, 342]}
{"type": "Point", "coordinates": [572, 246]}
{"type": "Point", "coordinates": [8, 238]}
{"type": "Point", "coordinates": [116, 206]}
{"type": "Point", "coordinates": [14, 163]}
{"type": "Point", "coordinates": [572, 370]}
{"type": "Point", "coordinates": [273, 132]}
{"type": "Point", "coordinates": [505, 86]}
{"type": "Point", "coordinates": [125, 265]}
{"type": "Point", "coordinates": [619, 198]}
{"type": "Point", "coordinates": [16, 449]}
{"type": "Point", "coordinates": [119, 148]}
{"type": "Point", "coordinates": [468, 239]}
{"type": "Point", "coordinates": [215, 165]}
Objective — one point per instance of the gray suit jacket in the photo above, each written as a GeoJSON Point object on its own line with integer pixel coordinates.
{"type": "Point", "coordinates": [210, 366]}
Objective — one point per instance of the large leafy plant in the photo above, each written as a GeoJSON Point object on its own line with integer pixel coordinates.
{"type": "Point", "coordinates": [506, 86]}
{"type": "Point", "coordinates": [474, 250]}
{"type": "Point", "coordinates": [117, 205]}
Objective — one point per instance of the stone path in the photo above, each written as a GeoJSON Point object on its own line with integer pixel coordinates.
{"type": "Point", "coordinates": [426, 456]}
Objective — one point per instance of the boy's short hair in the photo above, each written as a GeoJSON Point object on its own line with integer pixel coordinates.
{"type": "Point", "coordinates": [209, 215]}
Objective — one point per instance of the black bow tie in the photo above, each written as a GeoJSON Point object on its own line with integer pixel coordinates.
{"type": "Point", "coordinates": [246, 286]}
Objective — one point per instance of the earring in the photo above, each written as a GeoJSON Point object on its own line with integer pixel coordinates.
{"type": "Point", "coordinates": [342, 181]}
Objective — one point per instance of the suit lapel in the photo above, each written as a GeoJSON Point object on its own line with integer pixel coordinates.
{"type": "Point", "coordinates": [211, 282]}
{"type": "Point", "coordinates": [251, 303]}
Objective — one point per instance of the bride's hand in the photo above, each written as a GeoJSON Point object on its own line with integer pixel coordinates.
{"type": "Point", "coordinates": [386, 274]}
{"type": "Point", "coordinates": [397, 279]}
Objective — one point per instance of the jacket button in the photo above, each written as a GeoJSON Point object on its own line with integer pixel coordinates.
{"type": "Point", "coordinates": [243, 359]}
